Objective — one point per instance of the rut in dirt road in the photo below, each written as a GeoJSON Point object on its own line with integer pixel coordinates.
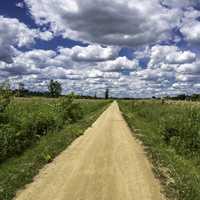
{"type": "Point", "coordinates": [106, 163]}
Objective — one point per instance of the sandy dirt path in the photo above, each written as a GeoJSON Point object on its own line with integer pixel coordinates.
{"type": "Point", "coordinates": [106, 163]}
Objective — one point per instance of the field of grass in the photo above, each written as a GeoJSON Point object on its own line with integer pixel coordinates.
{"type": "Point", "coordinates": [171, 136]}
{"type": "Point", "coordinates": [34, 130]}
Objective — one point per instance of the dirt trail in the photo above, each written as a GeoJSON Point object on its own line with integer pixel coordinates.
{"type": "Point", "coordinates": [106, 163]}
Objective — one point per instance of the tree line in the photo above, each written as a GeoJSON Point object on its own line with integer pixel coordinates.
{"type": "Point", "coordinates": [54, 90]}
{"type": "Point", "coordinates": [193, 97]}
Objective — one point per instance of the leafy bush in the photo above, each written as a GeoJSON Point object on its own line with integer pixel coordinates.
{"type": "Point", "coordinates": [26, 123]}
{"type": "Point", "coordinates": [38, 124]}
{"type": "Point", "coordinates": [26, 120]}
{"type": "Point", "coordinates": [70, 111]}
{"type": "Point", "coordinates": [13, 142]}
{"type": "Point", "coordinates": [171, 133]}
{"type": "Point", "coordinates": [20, 170]}
{"type": "Point", "coordinates": [5, 96]}
{"type": "Point", "coordinates": [7, 138]}
{"type": "Point", "coordinates": [182, 130]}
{"type": "Point", "coordinates": [3, 118]}
{"type": "Point", "coordinates": [179, 126]}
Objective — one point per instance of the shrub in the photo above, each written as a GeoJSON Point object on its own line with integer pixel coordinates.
{"type": "Point", "coordinates": [171, 134]}
{"type": "Point", "coordinates": [182, 130]}
{"type": "Point", "coordinates": [5, 96]}
{"type": "Point", "coordinates": [70, 111]}
{"type": "Point", "coordinates": [24, 121]}
{"type": "Point", "coordinates": [3, 118]}
{"type": "Point", "coordinates": [38, 124]}
{"type": "Point", "coordinates": [7, 141]}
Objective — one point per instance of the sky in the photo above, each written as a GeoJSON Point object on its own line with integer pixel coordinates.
{"type": "Point", "coordinates": [136, 48]}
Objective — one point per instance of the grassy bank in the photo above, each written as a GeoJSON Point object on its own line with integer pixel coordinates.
{"type": "Point", "coordinates": [25, 120]}
{"type": "Point", "coordinates": [20, 168]}
{"type": "Point", "coordinates": [170, 133]}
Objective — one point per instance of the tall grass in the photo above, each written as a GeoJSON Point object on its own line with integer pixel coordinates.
{"type": "Point", "coordinates": [171, 133]}
{"type": "Point", "coordinates": [24, 122]}
{"type": "Point", "coordinates": [19, 168]}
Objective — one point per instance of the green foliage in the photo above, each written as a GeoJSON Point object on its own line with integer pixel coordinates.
{"type": "Point", "coordinates": [182, 130]}
{"type": "Point", "coordinates": [70, 110]}
{"type": "Point", "coordinates": [171, 133]}
{"type": "Point", "coordinates": [19, 170]}
{"type": "Point", "coordinates": [55, 88]}
{"type": "Point", "coordinates": [5, 96]}
{"type": "Point", "coordinates": [8, 136]}
{"type": "Point", "coordinates": [47, 157]}
{"type": "Point", "coordinates": [21, 90]}
{"type": "Point", "coordinates": [27, 120]}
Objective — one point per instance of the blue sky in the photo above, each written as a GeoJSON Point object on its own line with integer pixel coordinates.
{"type": "Point", "coordinates": [137, 48]}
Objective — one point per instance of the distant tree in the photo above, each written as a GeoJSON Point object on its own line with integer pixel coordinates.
{"type": "Point", "coordinates": [181, 97]}
{"type": "Point", "coordinates": [55, 88]}
{"type": "Point", "coordinates": [167, 97]}
{"type": "Point", "coordinates": [195, 97]}
{"type": "Point", "coordinates": [107, 94]}
{"type": "Point", "coordinates": [21, 90]}
{"type": "Point", "coordinates": [5, 95]}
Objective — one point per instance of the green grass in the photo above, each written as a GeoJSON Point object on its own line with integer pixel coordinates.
{"type": "Point", "coordinates": [20, 169]}
{"type": "Point", "coordinates": [170, 133]}
{"type": "Point", "coordinates": [26, 120]}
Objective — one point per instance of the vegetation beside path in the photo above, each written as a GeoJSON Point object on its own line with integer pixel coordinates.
{"type": "Point", "coordinates": [170, 133]}
{"type": "Point", "coordinates": [35, 130]}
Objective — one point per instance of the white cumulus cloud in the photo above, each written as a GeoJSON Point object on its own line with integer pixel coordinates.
{"type": "Point", "coordinates": [116, 22]}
